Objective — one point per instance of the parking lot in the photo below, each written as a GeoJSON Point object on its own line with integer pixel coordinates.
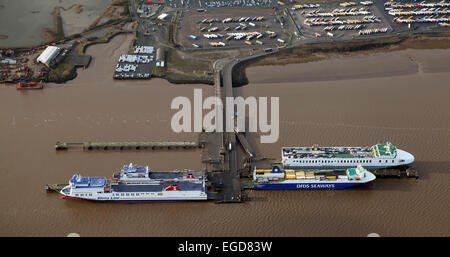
{"type": "Point", "coordinates": [418, 15]}
{"type": "Point", "coordinates": [340, 20]}
{"type": "Point", "coordinates": [138, 65]}
{"type": "Point", "coordinates": [231, 27]}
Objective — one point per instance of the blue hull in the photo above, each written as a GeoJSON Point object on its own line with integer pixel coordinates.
{"type": "Point", "coordinates": [306, 186]}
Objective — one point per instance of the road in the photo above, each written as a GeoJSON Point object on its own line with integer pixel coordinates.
{"type": "Point", "coordinates": [231, 188]}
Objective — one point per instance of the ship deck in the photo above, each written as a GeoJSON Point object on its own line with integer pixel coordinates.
{"type": "Point", "coordinates": [326, 152]}
{"type": "Point", "coordinates": [378, 150]}
{"type": "Point", "coordinates": [164, 175]}
{"type": "Point", "coordinates": [155, 188]}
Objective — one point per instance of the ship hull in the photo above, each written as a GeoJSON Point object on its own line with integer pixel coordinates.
{"type": "Point", "coordinates": [300, 167]}
{"type": "Point", "coordinates": [306, 186]}
{"type": "Point", "coordinates": [162, 199]}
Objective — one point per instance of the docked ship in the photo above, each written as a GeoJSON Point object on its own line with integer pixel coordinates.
{"type": "Point", "coordinates": [30, 85]}
{"type": "Point", "coordinates": [318, 179]}
{"type": "Point", "coordinates": [139, 183]}
{"type": "Point", "coordinates": [379, 156]}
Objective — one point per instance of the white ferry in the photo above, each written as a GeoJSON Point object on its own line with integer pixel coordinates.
{"type": "Point", "coordinates": [138, 183]}
{"type": "Point", "coordinates": [379, 156]}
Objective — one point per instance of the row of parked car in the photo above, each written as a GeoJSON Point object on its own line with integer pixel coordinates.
{"type": "Point", "coordinates": [144, 50]}
{"type": "Point", "coordinates": [238, 3]}
{"type": "Point", "coordinates": [231, 19]}
{"type": "Point", "coordinates": [338, 12]}
{"type": "Point", "coordinates": [337, 21]}
{"type": "Point", "coordinates": [392, 4]}
{"type": "Point", "coordinates": [426, 19]}
{"type": "Point", "coordinates": [424, 11]}
{"type": "Point", "coordinates": [132, 75]}
{"type": "Point", "coordinates": [344, 27]}
{"type": "Point", "coordinates": [135, 58]}
{"type": "Point", "coordinates": [304, 6]}
{"type": "Point", "coordinates": [126, 67]}
{"type": "Point", "coordinates": [373, 31]}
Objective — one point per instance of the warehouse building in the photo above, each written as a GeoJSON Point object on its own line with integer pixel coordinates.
{"type": "Point", "coordinates": [48, 55]}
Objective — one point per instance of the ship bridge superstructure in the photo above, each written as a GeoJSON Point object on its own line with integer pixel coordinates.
{"type": "Point", "coordinates": [384, 150]}
{"type": "Point", "coordinates": [79, 181]}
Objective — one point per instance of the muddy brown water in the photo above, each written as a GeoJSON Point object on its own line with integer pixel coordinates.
{"type": "Point", "coordinates": [23, 20]}
{"type": "Point", "coordinates": [411, 109]}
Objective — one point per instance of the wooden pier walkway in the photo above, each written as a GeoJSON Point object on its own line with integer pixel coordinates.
{"type": "Point", "coordinates": [49, 188]}
{"type": "Point", "coordinates": [406, 172]}
{"type": "Point", "coordinates": [127, 145]}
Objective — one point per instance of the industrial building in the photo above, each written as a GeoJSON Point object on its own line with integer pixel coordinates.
{"type": "Point", "coordinates": [48, 55]}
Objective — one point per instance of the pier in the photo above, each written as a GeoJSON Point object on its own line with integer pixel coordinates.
{"type": "Point", "coordinates": [127, 145]}
{"type": "Point", "coordinates": [226, 172]}
{"type": "Point", "coordinates": [49, 188]}
{"type": "Point", "coordinates": [405, 172]}
{"type": "Point", "coordinates": [244, 143]}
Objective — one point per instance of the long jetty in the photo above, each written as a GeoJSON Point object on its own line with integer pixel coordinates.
{"type": "Point", "coordinates": [404, 172]}
{"type": "Point", "coordinates": [228, 179]}
{"type": "Point", "coordinates": [128, 145]}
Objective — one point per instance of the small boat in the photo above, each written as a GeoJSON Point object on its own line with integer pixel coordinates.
{"type": "Point", "coordinates": [30, 85]}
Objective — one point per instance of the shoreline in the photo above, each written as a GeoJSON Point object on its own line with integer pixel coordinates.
{"type": "Point", "coordinates": [317, 52]}
{"type": "Point", "coordinates": [313, 52]}
{"type": "Point", "coordinates": [55, 33]}
{"type": "Point", "coordinates": [310, 53]}
{"type": "Point", "coordinates": [363, 66]}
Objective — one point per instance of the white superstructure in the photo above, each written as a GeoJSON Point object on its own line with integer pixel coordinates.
{"type": "Point", "coordinates": [376, 157]}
